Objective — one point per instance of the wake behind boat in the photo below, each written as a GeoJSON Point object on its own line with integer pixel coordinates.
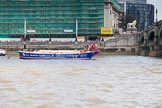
{"type": "Point", "coordinates": [58, 54]}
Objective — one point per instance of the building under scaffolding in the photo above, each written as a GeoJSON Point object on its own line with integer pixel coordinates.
{"type": "Point", "coordinates": [51, 18]}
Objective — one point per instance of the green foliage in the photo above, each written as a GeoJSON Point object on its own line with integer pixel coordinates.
{"type": "Point", "coordinates": [122, 22]}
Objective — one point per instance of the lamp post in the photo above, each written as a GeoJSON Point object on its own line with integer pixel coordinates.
{"type": "Point", "coordinates": [24, 39]}
{"type": "Point", "coordinates": [156, 16]}
{"type": "Point", "coordinates": [156, 47]}
{"type": "Point", "coordinates": [76, 34]}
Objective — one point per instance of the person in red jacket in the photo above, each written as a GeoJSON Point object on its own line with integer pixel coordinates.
{"type": "Point", "coordinates": [87, 47]}
{"type": "Point", "coordinates": [93, 46]}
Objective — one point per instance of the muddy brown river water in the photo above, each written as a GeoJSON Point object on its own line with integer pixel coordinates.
{"type": "Point", "coordinates": [106, 82]}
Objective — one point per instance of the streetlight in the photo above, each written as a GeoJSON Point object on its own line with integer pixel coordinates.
{"type": "Point", "coordinates": [24, 39]}
{"type": "Point", "coordinates": [76, 40]}
{"type": "Point", "coordinates": [156, 16]}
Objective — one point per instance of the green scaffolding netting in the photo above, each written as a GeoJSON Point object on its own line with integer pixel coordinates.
{"type": "Point", "coordinates": [51, 16]}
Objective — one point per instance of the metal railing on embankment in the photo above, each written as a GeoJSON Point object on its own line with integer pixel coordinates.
{"type": "Point", "coordinates": [105, 46]}
{"type": "Point", "coordinates": [42, 45]}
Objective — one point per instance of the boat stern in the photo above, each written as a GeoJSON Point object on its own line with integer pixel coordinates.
{"type": "Point", "coordinates": [21, 54]}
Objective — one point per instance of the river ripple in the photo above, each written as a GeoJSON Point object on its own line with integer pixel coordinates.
{"type": "Point", "coordinates": [107, 82]}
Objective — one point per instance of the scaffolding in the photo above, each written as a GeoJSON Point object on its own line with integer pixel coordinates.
{"type": "Point", "coordinates": [51, 17]}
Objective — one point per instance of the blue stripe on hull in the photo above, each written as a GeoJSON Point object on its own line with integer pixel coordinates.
{"type": "Point", "coordinates": [86, 55]}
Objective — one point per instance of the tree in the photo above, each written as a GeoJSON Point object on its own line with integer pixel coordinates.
{"type": "Point", "coordinates": [122, 22]}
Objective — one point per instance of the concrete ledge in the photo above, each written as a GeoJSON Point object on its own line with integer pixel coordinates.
{"type": "Point", "coordinates": [155, 54]}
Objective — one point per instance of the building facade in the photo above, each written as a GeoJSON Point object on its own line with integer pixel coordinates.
{"type": "Point", "coordinates": [53, 18]}
{"type": "Point", "coordinates": [112, 12]}
{"type": "Point", "coordinates": [144, 14]}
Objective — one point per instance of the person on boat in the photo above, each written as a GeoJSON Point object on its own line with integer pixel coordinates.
{"type": "Point", "coordinates": [93, 47]}
{"type": "Point", "coordinates": [87, 47]}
